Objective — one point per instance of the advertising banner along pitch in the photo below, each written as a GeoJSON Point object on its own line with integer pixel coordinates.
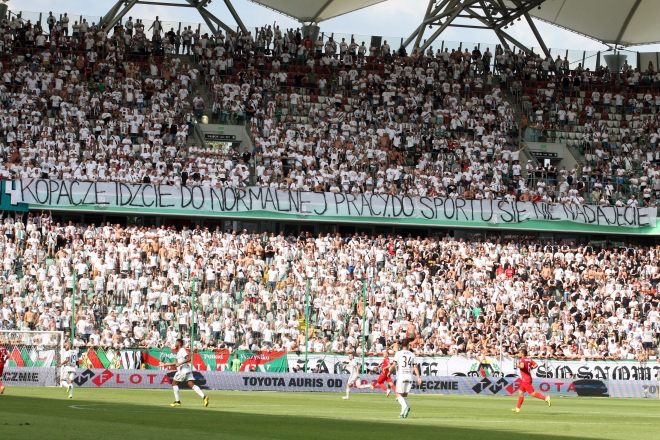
{"type": "Point", "coordinates": [298, 382]}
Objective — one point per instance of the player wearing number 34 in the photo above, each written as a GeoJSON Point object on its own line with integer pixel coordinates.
{"type": "Point", "coordinates": [405, 367]}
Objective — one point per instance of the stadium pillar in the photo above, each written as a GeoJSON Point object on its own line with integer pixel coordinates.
{"type": "Point", "coordinates": [306, 323]}
{"type": "Point", "coordinates": [192, 308]}
{"type": "Point", "coordinates": [73, 308]}
{"type": "Point", "coordinates": [311, 30]}
{"type": "Point", "coordinates": [614, 61]}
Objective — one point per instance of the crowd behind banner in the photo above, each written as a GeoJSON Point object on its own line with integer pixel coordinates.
{"type": "Point", "coordinates": [135, 288]}
{"type": "Point", "coordinates": [59, 194]}
{"type": "Point", "coordinates": [92, 108]}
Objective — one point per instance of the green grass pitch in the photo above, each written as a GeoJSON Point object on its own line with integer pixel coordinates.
{"type": "Point", "coordinates": [145, 414]}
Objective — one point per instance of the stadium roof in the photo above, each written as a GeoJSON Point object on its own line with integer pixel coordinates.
{"type": "Point", "coordinates": [315, 10]}
{"type": "Point", "coordinates": [620, 22]}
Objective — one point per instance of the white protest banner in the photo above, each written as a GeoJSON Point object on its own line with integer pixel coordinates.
{"type": "Point", "coordinates": [206, 200]}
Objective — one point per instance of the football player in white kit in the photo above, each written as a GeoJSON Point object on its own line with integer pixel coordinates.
{"type": "Point", "coordinates": [183, 373]}
{"type": "Point", "coordinates": [69, 362]}
{"type": "Point", "coordinates": [354, 371]}
{"type": "Point", "coordinates": [404, 364]}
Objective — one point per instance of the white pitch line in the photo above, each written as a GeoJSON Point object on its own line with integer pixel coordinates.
{"type": "Point", "coordinates": [108, 408]}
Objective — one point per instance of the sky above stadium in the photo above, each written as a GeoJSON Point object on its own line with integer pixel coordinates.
{"type": "Point", "coordinates": [392, 18]}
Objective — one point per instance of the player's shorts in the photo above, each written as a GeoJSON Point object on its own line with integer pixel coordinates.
{"type": "Point", "coordinates": [383, 378]}
{"type": "Point", "coordinates": [353, 379]}
{"type": "Point", "coordinates": [183, 376]}
{"type": "Point", "coordinates": [69, 373]}
{"type": "Point", "coordinates": [403, 386]}
{"type": "Point", "coordinates": [526, 387]}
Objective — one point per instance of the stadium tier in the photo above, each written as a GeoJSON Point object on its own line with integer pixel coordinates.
{"type": "Point", "coordinates": [333, 119]}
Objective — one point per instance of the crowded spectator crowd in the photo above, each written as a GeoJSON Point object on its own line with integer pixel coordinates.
{"type": "Point", "coordinates": [325, 115]}
{"type": "Point", "coordinates": [613, 121]}
{"type": "Point", "coordinates": [138, 286]}
{"type": "Point", "coordinates": [82, 104]}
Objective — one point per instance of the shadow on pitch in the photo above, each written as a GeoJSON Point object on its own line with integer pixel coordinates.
{"type": "Point", "coordinates": [162, 422]}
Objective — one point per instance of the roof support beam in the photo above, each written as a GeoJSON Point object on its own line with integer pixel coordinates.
{"type": "Point", "coordinates": [109, 20]}
{"type": "Point", "coordinates": [113, 21]}
{"type": "Point", "coordinates": [537, 34]}
{"type": "Point", "coordinates": [210, 24]}
{"type": "Point", "coordinates": [206, 19]}
{"type": "Point", "coordinates": [420, 28]}
{"type": "Point", "coordinates": [489, 17]}
{"type": "Point", "coordinates": [234, 14]}
{"type": "Point", "coordinates": [470, 26]}
{"type": "Point", "coordinates": [522, 10]}
{"type": "Point", "coordinates": [493, 14]}
{"type": "Point", "coordinates": [499, 31]}
{"type": "Point", "coordinates": [441, 29]}
{"type": "Point", "coordinates": [141, 2]}
{"type": "Point", "coordinates": [206, 14]}
{"type": "Point", "coordinates": [535, 31]}
{"type": "Point", "coordinates": [516, 42]}
{"type": "Point", "coordinates": [111, 14]}
{"type": "Point", "coordinates": [452, 8]}
{"type": "Point", "coordinates": [420, 32]}
{"type": "Point", "coordinates": [438, 8]}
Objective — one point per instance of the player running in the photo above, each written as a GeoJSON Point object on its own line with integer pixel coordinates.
{"type": "Point", "coordinates": [4, 355]}
{"type": "Point", "coordinates": [354, 378]}
{"type": "Point", "coordinates": [384, 377]}
{"type": "Point", "coordinates": [183, 373]}
{"type": "Point", "coordinates": [69, 362]}
{"type": "Point", "coordinates": [404, 364]}
{"type": "Point", "coordinates": [526, 365]}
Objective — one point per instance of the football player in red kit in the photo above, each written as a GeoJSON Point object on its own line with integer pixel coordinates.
{"type": "Point", "coordinates": [4, 355]}
{"type": "Point", "coordinates": [384, 377]}
{"type": "Point", "coordinates": [526, 365]}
